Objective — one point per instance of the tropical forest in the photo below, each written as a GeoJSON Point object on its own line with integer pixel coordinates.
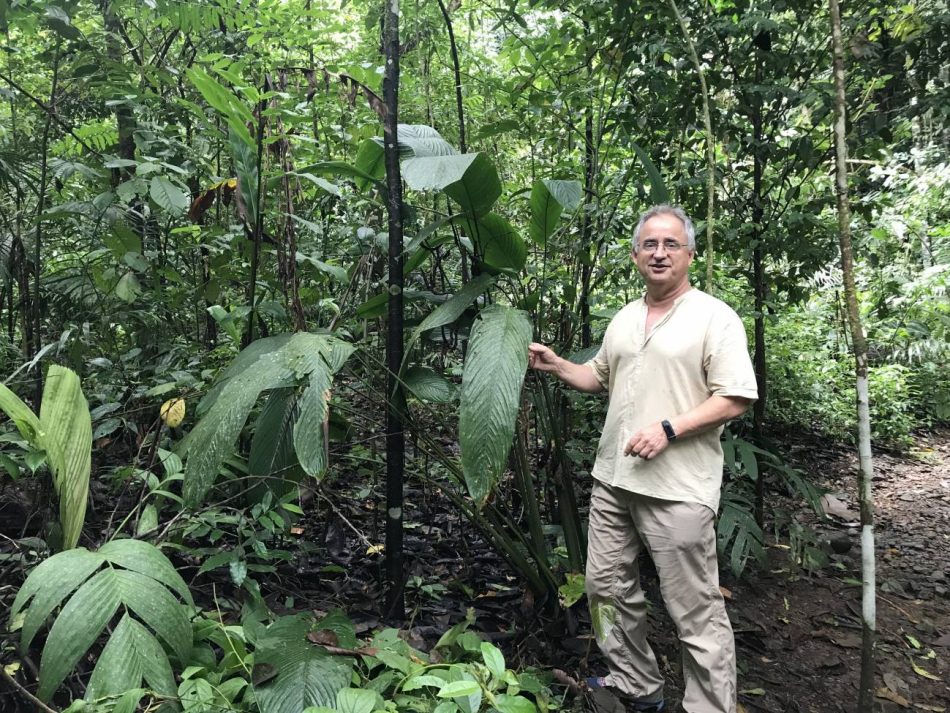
{"type": "Point", "coordinates": [273, 277]}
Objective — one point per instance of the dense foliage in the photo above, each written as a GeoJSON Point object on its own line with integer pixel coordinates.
{"type": "Point", "coordinates": [193, 212]}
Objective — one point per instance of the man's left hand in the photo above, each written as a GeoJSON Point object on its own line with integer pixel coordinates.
{"type": "Point", "coordinates": [648, 442]}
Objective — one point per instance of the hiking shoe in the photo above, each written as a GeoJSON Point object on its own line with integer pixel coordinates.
{"type": "Point", "coordinates": [595, 683]}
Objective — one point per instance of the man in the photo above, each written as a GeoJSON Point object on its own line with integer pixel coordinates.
{"type": "Point", "coordinates": [676, 367]}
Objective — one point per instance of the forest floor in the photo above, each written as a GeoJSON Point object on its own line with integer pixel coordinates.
{"type": "Point", "coordinates": [798, 633]}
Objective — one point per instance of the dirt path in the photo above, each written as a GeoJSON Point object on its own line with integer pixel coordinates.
{"type": "Point", "coordinates": [799, 635]}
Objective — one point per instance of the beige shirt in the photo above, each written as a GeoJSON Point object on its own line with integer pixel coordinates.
{"type": "Point", "coordinates": [696, 350]}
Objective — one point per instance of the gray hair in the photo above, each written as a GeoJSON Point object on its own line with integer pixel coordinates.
{"type": "Point", "coordinates": [666, 209]}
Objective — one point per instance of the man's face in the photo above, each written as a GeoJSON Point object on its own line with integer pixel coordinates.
{"type": "Point", "coordinates": [663, 268]}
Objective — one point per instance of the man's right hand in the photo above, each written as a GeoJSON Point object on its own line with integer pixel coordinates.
{"type": "Point", "coordinates": [577, 376]}
{"type": "Point", "coordinates": [542, 358]}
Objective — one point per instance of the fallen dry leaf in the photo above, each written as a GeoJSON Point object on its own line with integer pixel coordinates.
{"type": "Point", "coordinates": [324, 637]}
{"type": "Point", "coordinates": [833, 506]}
{"type": "Point", "coordinates": [725, 593]}
{"type": "Point", "coordinates": [888, 695]}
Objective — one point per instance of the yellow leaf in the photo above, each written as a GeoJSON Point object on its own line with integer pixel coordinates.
{"type": "Point", "coordinates": [921, 672]}
{"type": "Point", "coordinates": [375, 549]}
{"type": "Point", "coordinates": [12, 668]}
{"type": "Point", "coordinates": [173, 412]}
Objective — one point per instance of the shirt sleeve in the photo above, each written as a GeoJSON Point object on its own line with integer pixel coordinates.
{"type": "Point", "coordinates": [729, 370]}
{"type": "Point", "coordinates": [600, 365]}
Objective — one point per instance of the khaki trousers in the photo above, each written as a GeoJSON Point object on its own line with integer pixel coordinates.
{"type": "Point", "coordinates": [681, 539]}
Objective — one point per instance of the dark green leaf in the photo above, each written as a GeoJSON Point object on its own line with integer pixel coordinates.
{"type": "Point", "coordinates": [491, 392]}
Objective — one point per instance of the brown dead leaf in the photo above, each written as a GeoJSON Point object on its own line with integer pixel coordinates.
{"type": "Point", "coordinates": [834, 507]}
{"type": "Point", "coordinates": [844, 639]}
{"type": "Point", "coordinates": [888, 695]}
{"type": "Point", "coordinates": [324, 637]}
{"type": "Point", "coordinates": [934, 709]}
{"type": "Point", "coordinates": [725, 593]}
{"type": "Point", "coordinates": [296, 531]}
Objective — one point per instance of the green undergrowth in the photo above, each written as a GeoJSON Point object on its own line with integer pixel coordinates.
{"type": "Point", "coordinates": [125, 607]}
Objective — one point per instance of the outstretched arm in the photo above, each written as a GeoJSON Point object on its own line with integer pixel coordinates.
{"type": "Point", "coordinates": [577, 376]}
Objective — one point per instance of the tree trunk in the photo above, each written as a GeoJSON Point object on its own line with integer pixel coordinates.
{"type": "Point", "coordinates": [590, 176]}
{"type": "Point", "coordinates": [458, 76]}
{"type": "Point", "coordinates": [257, 227]}
{"type": "Point", "coordinates": [395, 434]}
{"type": "Point", "coordinates": [125, 122]}
{"type": "Point", "coordinates": [37, 342]}
{"type": "Point", "coordinates": [710, 151]}
{"type": "Point", "coordinates": [758, 277]}
{"type": "Point", "coordinates": [859, 345]}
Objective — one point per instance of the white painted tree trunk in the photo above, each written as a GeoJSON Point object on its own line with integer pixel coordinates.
{"type": "Point", "coordinates": [859, 344]}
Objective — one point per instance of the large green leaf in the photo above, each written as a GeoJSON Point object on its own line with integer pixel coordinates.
{"type": "Point", "coordinates": [427, 385]}
{"type": "Point", "coordinates": [658, 192]}
{"type": "Point", "coordinates": [49, 584]}
{"type": "Point", "coordinates": [145, 558]}
{"type": "Point", "coordinates": [499, 243]}
{"type": "Point", "coordinates": [213, 438]}
{"type": "Point", "coordinates": [77, 627]}
{"type": "Point", "coordinates": [131, 655]}
{"type": "Point", "coordinates": [138, 584]}
{"type": "Point", "coordinates": [235, 112]}
{"type": "Point", "coordinates": [548, 200]}
{"type": "Point", "coordinates": [245, 165]}
{"type": "Point", "coordinates": [243, 361]}
{"type": "Point", "coordinates": [371, 161]}
{"type": "Point", "coordinates": [419, 140]}
{"type": "Point", "coordinates": [491, 392]}
{"type": "Point", "coordinates": [452, 308]}
{"type": "Point", "coordinates": [306, 674]}
{"type": "Point", "coordinates": [309, 442]}
{"type": "Point", "coordinates": [470, 179]}
{"type": "Point", "coordinates": [272, 447]}
{"type": "Point", "coordinates": [67, 440]}
{"type": "Point", "coordinates": [22, 415]}
{"type": "Point", "coordinates": [158, 608]}
{"type": "Point", "coordinates": [168, 196]}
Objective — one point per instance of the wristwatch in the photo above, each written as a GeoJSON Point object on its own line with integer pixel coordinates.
{"type": "Point", "coordinates": [668, 430]}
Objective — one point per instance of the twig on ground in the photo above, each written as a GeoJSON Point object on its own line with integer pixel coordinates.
{"type": "Point", "coordinates": [23, 691]}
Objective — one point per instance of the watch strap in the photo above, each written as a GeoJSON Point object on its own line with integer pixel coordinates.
{"type": "Point", "coordinates": [668, 430]}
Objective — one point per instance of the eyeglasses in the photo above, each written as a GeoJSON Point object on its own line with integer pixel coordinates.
{"type": "Point", "coordinates": [671, 246]}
